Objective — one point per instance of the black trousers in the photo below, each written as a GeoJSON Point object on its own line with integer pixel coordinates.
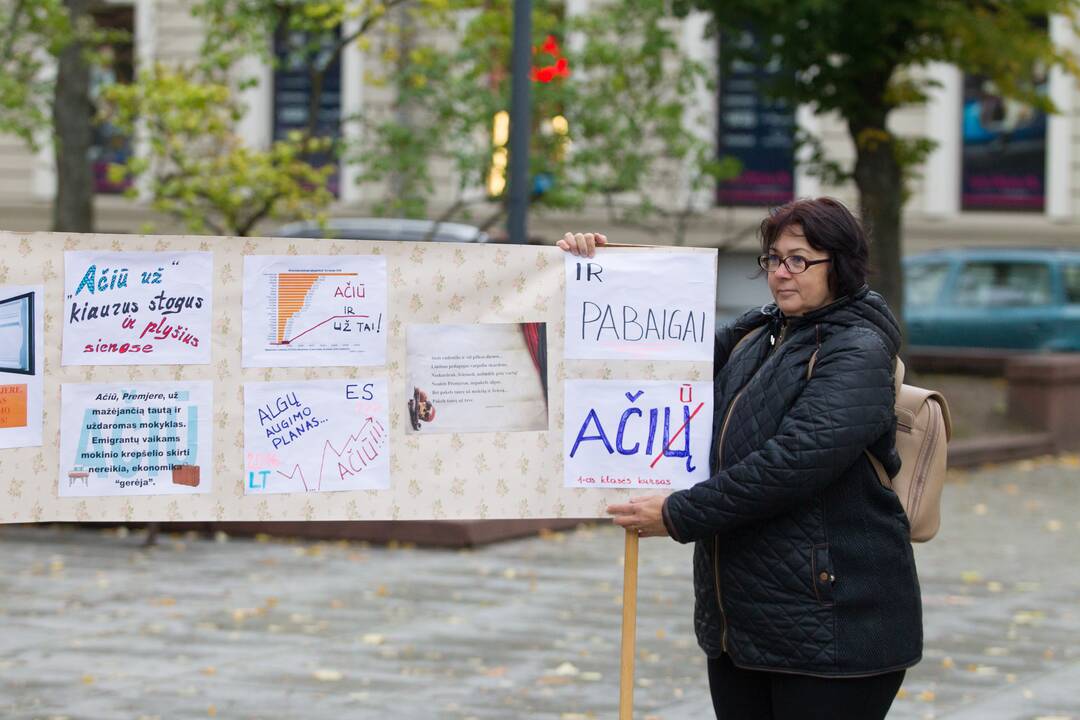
{"type": "Point", "coordinates": [739, 694]}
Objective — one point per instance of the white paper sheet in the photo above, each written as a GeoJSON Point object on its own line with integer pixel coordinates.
{"type": "Point", "coordinates": [137, 308]}
{"type": "Point", "coordinates": [316, 436]}
{"type": "Point", "coordinates": [149, 438]}
{"type": "Point", "coordinates": [635, 304]}
{"type": "Point", "coordinates": [22, 346]}
{"type": "Point", "coordinates": [314, 310]}
{"type": "Point", "coordinates": [475, 378]}
{"type": "Point", "coordinates": [637, 434]}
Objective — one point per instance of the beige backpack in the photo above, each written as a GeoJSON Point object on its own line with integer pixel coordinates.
{"type": "Point", "coordinates": [923, 429]}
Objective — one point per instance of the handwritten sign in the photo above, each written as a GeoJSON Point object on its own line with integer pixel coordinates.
{"type": "Point", "coordinates": [314, 311]}
{"type": "Point", "coordinates": [136, 439]}
{"type": "Point", "coordinates": [22, 372]}
{"type": "Point", "coordinates": [635, 304]}
{"type": "Point", "coordinates": [137, 308]}
{"type": "Point", "coordinates": [316, 436]}
{"type": "Point", "coordinates": [637, 434]}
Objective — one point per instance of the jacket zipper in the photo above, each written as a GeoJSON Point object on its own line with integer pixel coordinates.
{"type": "Point", "coordinates": [719, 462]}
{"type": "Point", "coordinates": [716, 538]}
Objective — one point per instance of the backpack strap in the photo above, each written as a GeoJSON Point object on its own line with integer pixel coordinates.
{"type": "Point", "coordinates": [744, 339]}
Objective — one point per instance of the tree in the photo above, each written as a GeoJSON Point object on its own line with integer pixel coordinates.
{"type": "Point", "coordinates": [862, 60]}
{"type": "Point", "coordinates": [612, 118]}
{"type": "Point", "coordinates": [36, 33]}
{"type": "Point", "coordinates": [199, 169]}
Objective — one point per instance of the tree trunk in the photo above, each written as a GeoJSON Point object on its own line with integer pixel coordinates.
{"type": "Point", "coordinates": [879, 179]}
{"type": "Point", "coordinates": [73, 207]}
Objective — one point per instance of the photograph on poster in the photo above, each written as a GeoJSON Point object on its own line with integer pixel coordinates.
{"type": "Point", "coordinates": [316, 436]}
{"type": "Point", "coordinates": [17, 333]}
{"type": "Point", "coordinates": [137, 308]}
{"type": "Point", "coordinates": [637, 434]}
{"type": "Point", "coordinates": [150, 438]}
{"type": "Point", "coordinates": [22, 379]}
{"type": "Point", "coordinates": [640, 304]}
{"type": "Point", "coordinates": [488, 377]}
{"type": "Point", "coordinates": [314, 311]}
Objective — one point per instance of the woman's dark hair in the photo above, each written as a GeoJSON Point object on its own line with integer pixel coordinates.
{"type": "Point", "coordinates": [830, 227]}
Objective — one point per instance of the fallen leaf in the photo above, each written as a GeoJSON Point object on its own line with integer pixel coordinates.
{"type": "Point", "coordinates": [927, 696]}
{"type": "Point", "coordinates": [981, 509]}
{"type": "Point", "coordinates": [971, 576]}
{"type": "Point", "coordinates": [948, 663]}
{"type": "Point", "coordinates": [327, 675]}
{"type": "Point", "coordinates": [372, 639]}
{"type": "Point", "coordinates": [1054, 525]}
{"type": "Point", "coordinates": [566, 670]}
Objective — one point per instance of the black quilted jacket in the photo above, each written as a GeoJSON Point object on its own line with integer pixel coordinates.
{"type": "Point", "coordinates": [803, 561]}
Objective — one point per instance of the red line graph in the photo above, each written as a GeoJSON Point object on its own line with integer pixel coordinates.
{"type": "Point", "coordinates": [333, 317]}
{"type": "Point", "coordinates": [328, 445]}
{"type": "Point", "coordinates": [677, 433]}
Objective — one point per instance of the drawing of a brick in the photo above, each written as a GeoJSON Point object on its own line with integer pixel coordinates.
{"type": "Point", "coordinates": [185, 475]}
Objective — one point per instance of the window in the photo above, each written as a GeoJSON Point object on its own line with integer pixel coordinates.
{"type": "Point", "coordinates": [923, 281]}
{"type": "Point", "coordinates": [1003, 284]}
{"type": "Point", "coordinates": [1072, 284]}
{"type": "Point", "coordinates": [757, 130]}
{"type": "Point", "coordinates": [116, 65]}
{"type": "Point", "coordinates": [296, 97]}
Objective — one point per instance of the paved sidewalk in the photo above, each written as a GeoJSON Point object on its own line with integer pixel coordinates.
{"type": "Point", "coordinates": [96, 627]}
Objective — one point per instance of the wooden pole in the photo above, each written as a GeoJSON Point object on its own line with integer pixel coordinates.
{"type": "Point", "coordinates": [629, 627]}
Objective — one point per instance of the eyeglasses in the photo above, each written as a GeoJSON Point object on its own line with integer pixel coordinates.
{"type": "Point", "coordinates": [795, 264]}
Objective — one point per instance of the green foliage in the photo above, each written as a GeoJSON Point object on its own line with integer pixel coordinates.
{"type": "Point", "coordinates": [627, 105]}
{"type": "Point", "coordinates": [862, 59]}
{"type": "Point", "coordinates": [31, 32]}
{"type": "Point", "coordinates": [199, 170]}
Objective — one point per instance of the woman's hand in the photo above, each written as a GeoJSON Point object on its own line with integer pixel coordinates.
{"type": "Point", "coordinates": [581, 244]}
{"type": "Point", "coordinates": [644, 514]}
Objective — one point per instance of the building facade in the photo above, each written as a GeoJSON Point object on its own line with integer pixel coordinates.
{"type": "Point", "coordinates": [1000, 173]}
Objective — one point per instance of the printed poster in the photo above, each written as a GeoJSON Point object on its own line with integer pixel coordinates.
{"type": "Point", "coordinates": [22, 312]}
{"type": "Point", "coordinates": [137, 308]}
{"type": "Point", "coordinates": [316, 436]}
{"type": "Point", "coordinates": [637, 434]}
{"type": "Point", "coordinates": [314, 311]}
{"type": "Point", "coordinates": [640, 304]}
{"type": "Point", "coordinates": [150, 438]}
{"type": "Point", "coordinates": [485, 377]}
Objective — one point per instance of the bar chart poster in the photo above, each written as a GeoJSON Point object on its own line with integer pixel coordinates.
{"type": "Point", "coordinates": [314, 310]}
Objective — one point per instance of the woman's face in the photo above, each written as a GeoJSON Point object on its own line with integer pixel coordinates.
{"type": "Point", "coordinates": [799, 294]}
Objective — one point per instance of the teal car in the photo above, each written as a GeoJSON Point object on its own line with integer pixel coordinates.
{"type": "Point", "coordinates": [1017, 299]}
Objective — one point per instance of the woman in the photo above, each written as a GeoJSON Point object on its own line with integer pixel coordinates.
{"type": "Point", "coordinates": [807, 601]}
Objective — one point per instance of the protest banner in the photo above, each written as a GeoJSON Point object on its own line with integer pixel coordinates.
{"type": "Point", "coordinates": [640, 303]}
{"type": "Point", "coordinates": [137, 308]}
{"type": "Point", "coordinates": [315, 311]}
{"type": "Point", "coordinates": [450, 402]}
{"type": "Point", "coordinates": [135, 439]}
{"type": "Point", "coordinates": [316, 436]}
